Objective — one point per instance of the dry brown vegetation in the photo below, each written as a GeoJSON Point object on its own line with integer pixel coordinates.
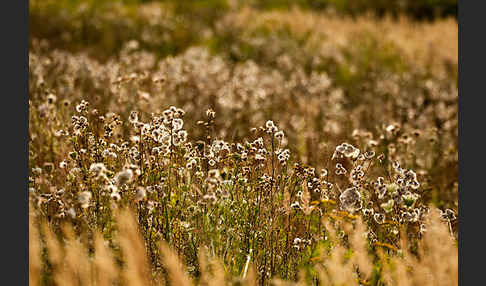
{"type": "Point", "coordinates": [74, 264]}
{"type": "Point", "coordinates": [270, 147]}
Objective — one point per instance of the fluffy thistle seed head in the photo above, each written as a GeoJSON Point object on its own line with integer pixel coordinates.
{"type": "Point", "coordinates": [379, 218]}
{"type": "Point", "coordinates": [346, 150]}
{"type": "Point", "coordinates": [133, 118]}
{"type": "Point", "coordinates": [270, 127]}
{"type": "Point", "coordinates": [97, 169]}
{"type": "Point", "coordinates": [124, 177]}
{"type": "Point", "coordinates": [141, 194]}
{"type": "Point", "coordinates": [448, 214]}
{"type": "Point", "coordinates": [351, 200]}
{"type": "Point", "coordinates": [84, 199]}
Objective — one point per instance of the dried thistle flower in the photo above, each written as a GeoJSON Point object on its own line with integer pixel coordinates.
{"type": "Point", "coordinates": [84, 199]}
{"type": "Point", "coordinates": [124, 177]}
{"type": "Point", "coordinates": [351, 200]}
{"type": "Point", "coordinates": [379, 218]}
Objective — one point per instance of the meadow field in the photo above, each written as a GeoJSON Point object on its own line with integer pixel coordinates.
{"type": "Point", "coordinates": [230, 143]}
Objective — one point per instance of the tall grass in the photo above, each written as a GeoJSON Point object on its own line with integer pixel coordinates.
{"type": "Point", "coordinates": [73, 263]}
{"type": "Point", "coordinates": [269, 147]}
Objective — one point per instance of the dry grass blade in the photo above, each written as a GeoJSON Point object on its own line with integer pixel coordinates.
{"type": "Point", "coordinates": [359, 245]}
{"type": "Point", "coordinates": [34, 253]}
{"type": "Point", "coordinates": [136, 269]}
{"type": "Point", "coordinates": [104, 263]}
{"type": "Point", "coordinates": [174, 266]}
{"type": "Point", "coordinates": [306, 207]}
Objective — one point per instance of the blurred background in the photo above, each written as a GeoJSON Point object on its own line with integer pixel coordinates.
{"type": "Point", "coordinates": [104, 25]}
